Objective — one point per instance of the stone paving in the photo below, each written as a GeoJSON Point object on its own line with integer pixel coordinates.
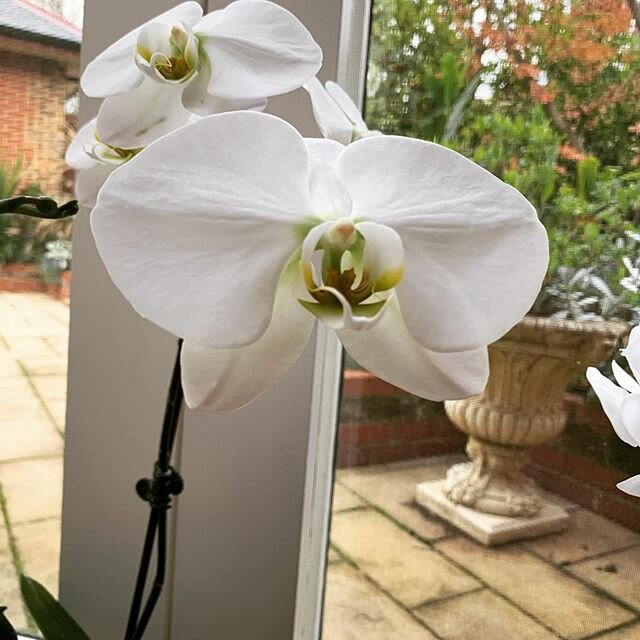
{"type": "Point", "coordinates": [33, 368]}
{"type": "Point", "coordinates": [396, 573]}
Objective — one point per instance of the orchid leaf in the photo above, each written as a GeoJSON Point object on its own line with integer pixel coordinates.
{"type": "Point", "coordinates": [51, 617]}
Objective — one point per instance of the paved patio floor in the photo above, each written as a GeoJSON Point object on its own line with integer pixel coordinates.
{"type": "Point", "coordinates": [394, 574]}
{"type": "Point", "coordinates": [397, 574]}
{"type": "Point", "coordinates": [33, 368]}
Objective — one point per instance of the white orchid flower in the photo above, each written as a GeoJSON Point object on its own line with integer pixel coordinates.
{"type": "Point", "coordinates": [180, 63]}
{"type": "Point", "coordinates": [94, 161]}
{"type": "Point", "coordinates": [622, 403]}
{"type": "Point", "coordinates": [232, 230]}
{"type": "Point", "coordinates": [336, 115]}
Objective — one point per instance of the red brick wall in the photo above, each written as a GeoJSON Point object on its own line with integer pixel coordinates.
{"type": "Point", "coordinates": [36, 80]}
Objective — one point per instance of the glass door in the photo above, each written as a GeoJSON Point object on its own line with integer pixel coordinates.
{"type": "Point", "coordinates": [439, 526]}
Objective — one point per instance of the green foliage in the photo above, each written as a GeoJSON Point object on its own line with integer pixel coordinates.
{"type": "Point", "coordinates": [586, 176]}
{"type": "Point", "coordinates": [52, 619]}
{"type": "Point", "coordinates": [522, 150]}
{"type": "Point", "coordinates": [588, 212]}
{"type": "Point", "coordinates": [419, 68]}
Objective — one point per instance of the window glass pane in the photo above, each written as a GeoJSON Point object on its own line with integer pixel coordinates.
{"type": "Point", "coordinates": [39, 70]}
{"type": "Point", "coordinates": [532, 538]}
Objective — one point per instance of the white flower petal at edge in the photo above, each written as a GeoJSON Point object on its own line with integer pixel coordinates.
{"type": "Point", "coordinates": [468, 277]}
{"type": "Point", "coordinates": [611, 397]}
{"type": "Point", "coordinates": [335, 113]}
{"type": "Point", "coordinates": [91, 174]}
{"type": "Point", "coordinates": [225, 379]}
{"type": "Point", "coordinates": [196, 99]}
{"type": "Point", "coordinates": [196, 229]}
{"type": "Point", "coordinates": [630, 411]}
{"type": "Point", "coordinates": [632, 352]}
{"type": "Point", "coordinates": [90, 181]}
{"type": "Point", "coordinates": [630, 486]}
{"type": "Point", "coordinates": [77, 155]}
{"type": "Point", "coordinates": [348, 106]}
{"type": "Point", "coordinates": [389, 352]}
{"type": "Point", "coordinates": [152, 110]}
{"type": "Point", "coordinates": [114, 71]}
{"type": "Point", "coordinates": [331, 120]}
{"type": "Point", "coordinates": [257, 49]}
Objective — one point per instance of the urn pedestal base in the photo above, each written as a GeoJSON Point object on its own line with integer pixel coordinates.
{"type": "Point", "coordinates": [490, 529]}
{"type": "Point", "coordinates": [493, 482]}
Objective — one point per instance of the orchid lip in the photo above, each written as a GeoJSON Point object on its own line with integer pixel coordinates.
{"type": "Point", "coordinates": [175, 61]}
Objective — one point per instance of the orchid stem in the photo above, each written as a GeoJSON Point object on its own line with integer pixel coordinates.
{"type": "Point", "coordinates": [39, 207]}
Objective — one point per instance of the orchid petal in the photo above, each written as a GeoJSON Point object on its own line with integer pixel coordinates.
{"type": "Point", "coordinates": [630, 412]}
{"type": "Point", "coordinates": [624, 379]}
{"type": "Point", "coordinates": [331, 120]}
{"type": "Point", "coordinates": [137, 118]}
{"type": "Point", "coordinates": [114, 71]}
{"type": "Point", "coordinates": [346, 104]}
{"type": "Point", "coordinates": [76, 155]}
{"type": "Point", "coordinates": [632, 352]}
{"type": "Point", "coordinates": [90, 181]}
{"type": "Point", "coordinates": [196, 99]}
{"type": "Point", "coordinates": [154, 37]}
{"type": "Point", "coordinates": [467, 278]}
{"type": "Point", "coordinates": [630, 486]}
{"type": "Point", "coordinates": [611, 397]}
{"type": "Point", "coordinates": [225, 379]}
{"type": "Point", "coordinates": [195, 230]}
{"type": "Point", "coordinates": [330, 198]}
{"type": "Point", "coordinates": [257, 49]}
{"type": "Point", "coordinates": [383, 255]}
{"type": "Point", "coordinates": [389, 352]}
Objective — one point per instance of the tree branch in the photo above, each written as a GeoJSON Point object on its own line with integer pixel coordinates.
{"type": "Point", "coordinates": [556, 117]}
{"type": "Point", "coordinates": [635, 12]}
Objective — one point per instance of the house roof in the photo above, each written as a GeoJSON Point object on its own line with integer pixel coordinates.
{"type": "Point", "coordinates": [21, 19]}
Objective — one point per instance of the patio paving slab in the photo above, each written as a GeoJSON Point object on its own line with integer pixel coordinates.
{"type": "Point", "coordinates": [32, 489]}
{"type": "Point", "coordinates": [39, 547]}
{"type": "Point", "coordinates": [50, 365]}
{"type": "Point", "coordinates": [617, 573]}
{"type": "Point", "coordinates": [391, 488]}
{"type": "Point", "coordinates": [404, 567]}
{"type": "Point", "coordinates": [50, 388]}
{"type": "Point", "coordinates": [344, 499]}
{"type": "Point", "coordinates": [481, 615]}
{"type": "Point", "coordinates": [547, 593]}
{"type": "Point", "coordinates": [29, 436]}
{"type": "Point", "coordinates": [356, 610]}
{"type": "Point", "coordinates": [26, 346]}
{"type": "Point", "coordinates": [588, 535]}
{"type": "Point", "coordinates": [631, 632]}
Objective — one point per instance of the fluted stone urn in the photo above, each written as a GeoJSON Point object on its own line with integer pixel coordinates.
{"type": "Point", "coordinates": [521, 407]}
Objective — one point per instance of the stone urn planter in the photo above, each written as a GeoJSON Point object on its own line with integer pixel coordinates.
{"type": "Point", "coordinates": [521, 407]}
